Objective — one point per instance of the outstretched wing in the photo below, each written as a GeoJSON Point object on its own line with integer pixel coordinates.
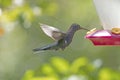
{"type": "Point", "coordinates": [52, 32]}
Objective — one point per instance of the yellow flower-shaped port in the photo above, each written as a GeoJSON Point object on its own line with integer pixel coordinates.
{"type": "Point", "coordinates": [115, 30]}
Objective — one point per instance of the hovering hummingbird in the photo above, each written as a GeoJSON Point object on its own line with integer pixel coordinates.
{"type": "Point", "coordinates": [62, 39]}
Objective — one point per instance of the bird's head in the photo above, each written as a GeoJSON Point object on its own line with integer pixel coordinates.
{"type": "Point", "coordinates": [75, 27]}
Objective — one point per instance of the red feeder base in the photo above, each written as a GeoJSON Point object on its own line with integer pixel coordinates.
{"type": "Point", "coordinates": [104, 37]}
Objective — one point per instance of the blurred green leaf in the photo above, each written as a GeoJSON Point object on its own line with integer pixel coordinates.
{"type": "Point", "coordinates": [78, 63]}
{"type": "Point", "coordinates": [44, 78]}
{"type": "Point", "coordinates": [5, 3]}
{"type": "Point", "coordinates": [108, 74]}
{"type": "Point", "coordinates": [47, 70]}
{"type": "Point", "coordinates": [14, 14]}
{"type": "Point", "coordinates": [60, 64]}
{"type": "Point", "coordinates": [82, 69]}
{"type": "Point", "coordinates": [51, 9]}
{"type": "Point", "coordinates": [28, 75]}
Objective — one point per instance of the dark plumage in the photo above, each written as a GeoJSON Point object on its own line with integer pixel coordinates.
{"type": "Point", "coordinates": [62, 40]}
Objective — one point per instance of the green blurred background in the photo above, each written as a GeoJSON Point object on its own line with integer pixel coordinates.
{"type": "Point", "coordinates": [20, 33]}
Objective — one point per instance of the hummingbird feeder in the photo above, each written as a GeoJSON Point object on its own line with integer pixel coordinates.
{"type": "Point", "coordinates": [109, 14]}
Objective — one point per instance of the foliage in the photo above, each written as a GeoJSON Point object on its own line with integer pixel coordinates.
{"type": "Point", "coordinates": [80, 69]}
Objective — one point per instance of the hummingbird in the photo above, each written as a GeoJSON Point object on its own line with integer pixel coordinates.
{"type": "Point", "coordinates": [62, 39]}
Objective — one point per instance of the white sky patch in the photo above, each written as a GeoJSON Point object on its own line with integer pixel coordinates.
{"type": "Point", "coordinates": [0, 11]}
{"type": "Point", "coordinates": [75, 77]}
{"type": "Point", "coordinates": [97, 63]}
{"type": "Point", "coordinates": [10, 26]}
{"type": "Point", "coordinates": [37, 11]}
{"type": "Point", "coordinates": [18, 2]}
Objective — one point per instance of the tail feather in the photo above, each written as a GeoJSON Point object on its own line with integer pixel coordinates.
{"type": "Point", "coordinates": [41, 49]}
{"type": "Point", "coordinates": [37, 49]}
{"type": "Point", "coordinates": [48, 47]}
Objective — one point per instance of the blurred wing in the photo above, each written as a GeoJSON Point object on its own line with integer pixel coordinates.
{"type": "Point", "coordinates": [52, 32]}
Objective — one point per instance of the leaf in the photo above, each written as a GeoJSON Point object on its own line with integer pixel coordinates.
{"type": "Point", "coordinates": [77, 64]}
{"type": "Point", "coordinates": [44, 78]}
{"type": "Point", "coordinates": [28, 75]}
{"type": "Point", "coordinates": [47, 70]}
{"type": "Point", "coordinates": [108, 74]}
{"type": "Point", "coordinates": [5, 3]}
{"type": "Point", "coordinates": [60, 64]}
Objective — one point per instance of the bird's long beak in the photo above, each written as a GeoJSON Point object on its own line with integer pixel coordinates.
{"type": "Point", "coordinates": [84, 29]}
